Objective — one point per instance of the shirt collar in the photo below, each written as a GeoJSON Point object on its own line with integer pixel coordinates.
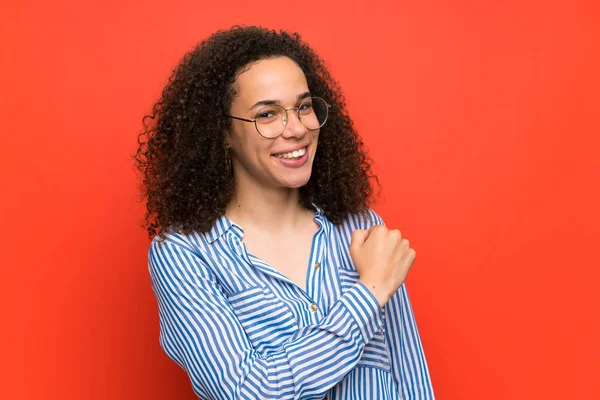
{"type": "Point", "coordinates": [223, 224]}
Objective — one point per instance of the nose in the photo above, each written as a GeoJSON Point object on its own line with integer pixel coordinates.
{"type": "Point", "coordinates": [293, 126]}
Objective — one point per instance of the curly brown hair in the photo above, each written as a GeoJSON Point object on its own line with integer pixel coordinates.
{"type": "Point", "coordinates": [182, 150]}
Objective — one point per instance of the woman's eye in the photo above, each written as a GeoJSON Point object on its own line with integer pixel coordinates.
{"type": "Point", "coordinates": [269, 113]}
{"type": "Point", "coordinates": [265, 115]}
{"type": "Point", "coordinates": [306, 106]}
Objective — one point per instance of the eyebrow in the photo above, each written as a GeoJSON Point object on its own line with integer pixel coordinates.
{"type": "Point", "coordinates": [271, 102]}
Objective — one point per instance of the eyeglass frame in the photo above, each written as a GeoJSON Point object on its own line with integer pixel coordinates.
{"type": "Point", "coordinates": [297, 109]}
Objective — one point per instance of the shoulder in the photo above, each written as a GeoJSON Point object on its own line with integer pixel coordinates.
{"type": "Point", "coordinates": [179, 252]}
{"type": "Point", "coordinates": [363, 220]}
{"type": "Point", "coordinates": [360, 220]}
{"type": "Point", "coordinates": [195, 242]}
{"type": "Point", "coordinates": [172, 241]}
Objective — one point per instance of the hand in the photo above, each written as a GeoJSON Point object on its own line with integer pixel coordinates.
{"type": "Point", "coordinates": [382, 258]}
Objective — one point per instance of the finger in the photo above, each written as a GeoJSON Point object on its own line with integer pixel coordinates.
{"type": "Point", "coordinates": [369, 231]}
{"type": "Point", "coordinates": [377, 230]}
{"type": "Point", "coordinates": [409, 257]}
{"type": "Point", "coordinates": [395, 234]}
{"type": "Point", "coordinates": [358, 237]}
{"type": "Point", "coordinates": [374, 226]}
{"type": "Point", "coordinates": [400, 246]}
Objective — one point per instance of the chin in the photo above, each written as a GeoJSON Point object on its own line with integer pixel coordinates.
{"type": "Point", "coordinates": [297, 182]}
{"type": "Point", "coordinates": [295, 185]}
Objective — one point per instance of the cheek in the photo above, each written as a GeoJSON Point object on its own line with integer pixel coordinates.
{"type": "Point", "coordinates": [249, 148]}
{"type": "Point", "coordinates": [240, 141]}
{"type": "Point", "coordinates": [315, 138]}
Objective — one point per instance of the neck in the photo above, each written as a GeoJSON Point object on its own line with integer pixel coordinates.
{"type": "Point", "coordinates": [274, 210]}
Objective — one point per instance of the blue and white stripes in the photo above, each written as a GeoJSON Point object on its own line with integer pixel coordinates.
{"type": "Point", "coordinates": [242, 330]}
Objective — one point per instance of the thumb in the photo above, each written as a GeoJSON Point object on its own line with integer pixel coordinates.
{"type": "Point", "coordinates": [358, 237]}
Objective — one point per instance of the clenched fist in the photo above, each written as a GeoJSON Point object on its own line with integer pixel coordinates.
{"type": "Point", "coordinates": [382, 258]}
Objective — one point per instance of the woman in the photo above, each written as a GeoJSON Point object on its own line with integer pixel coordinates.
{"type": "Point", "coordinates": [274, 279]}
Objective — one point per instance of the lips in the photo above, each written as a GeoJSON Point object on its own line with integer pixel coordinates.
{"type": "Point", "coordinates": [294, 162]}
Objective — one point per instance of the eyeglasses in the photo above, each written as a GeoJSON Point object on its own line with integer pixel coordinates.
{"type": "Point", "coordinates": [271, 120]}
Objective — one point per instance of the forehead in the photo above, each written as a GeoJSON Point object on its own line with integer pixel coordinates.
{"type": "Point", "coordinates": [271, 79]}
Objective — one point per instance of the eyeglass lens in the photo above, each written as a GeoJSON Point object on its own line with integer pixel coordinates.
{"type": "Point", "coordinates": [312, 113]}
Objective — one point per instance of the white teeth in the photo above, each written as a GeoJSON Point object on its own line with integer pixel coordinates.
{"type": "Point", "coordinates": [293, 154]}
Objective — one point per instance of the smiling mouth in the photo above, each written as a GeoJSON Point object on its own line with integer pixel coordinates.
{"type": "Point", "coordinates": [292, 155]}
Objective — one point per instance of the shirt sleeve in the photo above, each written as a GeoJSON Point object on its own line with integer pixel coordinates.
{"type": "Point", "coordinates": [409, 365]}
{"type": "Point", "coordinates": [200, 331]}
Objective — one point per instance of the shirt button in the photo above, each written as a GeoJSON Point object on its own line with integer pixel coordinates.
{"type": "Point", "coordinates": [314, 307]}
{"type": "Point", "coordinates": [317, 265]}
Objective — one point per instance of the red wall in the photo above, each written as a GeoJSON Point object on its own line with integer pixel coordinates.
{"type": "Point", "coordinates": [483, 119]}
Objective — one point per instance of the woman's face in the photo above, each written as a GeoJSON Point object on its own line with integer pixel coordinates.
{"type": "Point", "coordinates": [262, 161]}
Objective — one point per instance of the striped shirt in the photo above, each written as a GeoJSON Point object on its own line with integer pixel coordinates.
{"type": "Point", "coordinates": [242, 330]}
